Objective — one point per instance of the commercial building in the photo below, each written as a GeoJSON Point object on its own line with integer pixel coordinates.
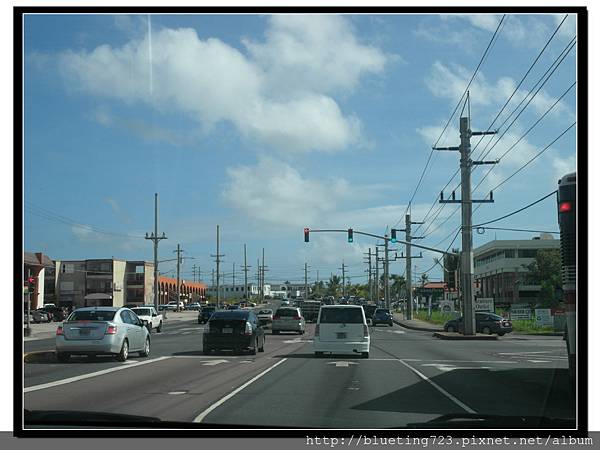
{"type": "Point", "coordinates": [189, 291]}
{"type": "Point", "coordinates": [229, 291]}
{"type": "Point", "coordinates": [41, 268]}
{"type": "Point", "coordinates": [501, 269]}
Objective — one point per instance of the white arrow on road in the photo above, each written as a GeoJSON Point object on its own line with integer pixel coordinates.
{"type": "Point", "coordinates": [215, 362]}
{"type": "Point", "coordinates": [449, 367]}
{"type": "Point", "coordinates": [342, 363]}
{"type": "Point", "coordinates": [537, 361]}
{"type": "Point", "coordinates": [297, 341]}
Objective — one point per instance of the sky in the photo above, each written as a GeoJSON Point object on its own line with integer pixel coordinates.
{"type": "Point", "coordinates": [265, 125]}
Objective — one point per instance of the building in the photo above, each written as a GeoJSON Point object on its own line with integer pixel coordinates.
{"type": "Point", "coordinates": [41, 268]}
{"type": "Point", "coordinates": [189, 291]}
{"type": "Point", "coordinates": [229, 291]}
{"type": "Point", "coordinates": [103, 282]}
{"type": "Point", "coordinates": [501, 272]}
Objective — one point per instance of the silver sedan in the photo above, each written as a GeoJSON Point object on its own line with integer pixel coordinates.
{"type": "Point", "coordinates": [102, 330]}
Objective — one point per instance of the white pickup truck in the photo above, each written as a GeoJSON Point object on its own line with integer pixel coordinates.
{"type": "Point", "coordinates": [149, 314]}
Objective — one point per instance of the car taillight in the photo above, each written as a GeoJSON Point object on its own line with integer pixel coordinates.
{"type": "Point", "coordinates": [317, 330]}
{"type": "Point", "coordinates": [59, 331]}
{"type": "Point", "coordinates": [112, 329]}
{"type": "Point", "coordinates": [296, 317]}
{"type": "Point", "coordinates": [248, 331]}
{"type": "Point", "coordinates": [365, 331]}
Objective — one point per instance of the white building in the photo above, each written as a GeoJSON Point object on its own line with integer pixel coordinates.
{"type": "Point", "coordinates": [229, 291]}
{"type": "Point", "coordinates": [500, 268]}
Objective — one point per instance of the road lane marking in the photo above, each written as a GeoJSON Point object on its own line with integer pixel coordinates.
{"type": "Point", "coordinates": [460, 361]}
{"type": "Point", "coordinates": [537, 361]}
{"type": "Point", "coordinates": [200, 417]}
{"type": "Point", "coordinates": [439, 388]}
{"type": "Point", "coordinates": [214, 362]}
{"type": "Point", "coordinates": [91, 375]}
{"type": "Point", "coordinates": [449, 367]}
{"type": "Point", "coordinates": [342, 363]}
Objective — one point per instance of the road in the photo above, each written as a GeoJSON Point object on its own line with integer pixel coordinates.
{"type": "Point", "coordinates": [409, 377]}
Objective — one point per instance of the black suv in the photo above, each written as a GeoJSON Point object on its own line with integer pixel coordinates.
{"type": "Point", "coordinates": [382, 315]}
{"type": "Point", "coordinates": [205, 313]}
{"type": "Point", "coordinates": [486, 323]}
{"type": "Point", "coordinates": [236, 330]}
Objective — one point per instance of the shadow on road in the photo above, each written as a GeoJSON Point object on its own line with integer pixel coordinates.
{"type": "Point", "coordinates": [513, 392]}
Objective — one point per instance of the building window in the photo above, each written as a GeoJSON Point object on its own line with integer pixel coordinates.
{"type": "Point", "coordinates": [509, 253]}
{"type": "Point", "coordinates": [68, 268]}
{"type": "Point", "coordinates": [527, 253]}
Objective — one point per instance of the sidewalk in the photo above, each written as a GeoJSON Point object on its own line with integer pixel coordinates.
{"type": "Point", "coordinates": [416, 324]}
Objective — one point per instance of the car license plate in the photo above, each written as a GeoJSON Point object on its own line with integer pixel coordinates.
{"type": "Point", "coordinates": [341, 335]}
{"type": "Point", "coordinates": [227, 330]}
{"type": "Point", "coordinates": [84, 332]}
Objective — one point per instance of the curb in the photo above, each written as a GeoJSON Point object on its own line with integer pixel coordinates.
{"type": "Point", "coordinates": [460, 337]}
{"type": "Point", "coordinates": [410, 327]}
{"type": "Point", "coordinates": [546, 333]}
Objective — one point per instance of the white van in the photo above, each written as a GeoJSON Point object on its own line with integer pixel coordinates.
{"type": "Point", "coordinates": [342, 329]}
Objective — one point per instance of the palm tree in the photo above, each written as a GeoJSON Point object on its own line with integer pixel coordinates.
{"type": "Point", "coordinates": [424, 279]}
{"type": "Point", "coordinates": [333, 285]}
{"type": "Point", "coordinates": [398, 283]}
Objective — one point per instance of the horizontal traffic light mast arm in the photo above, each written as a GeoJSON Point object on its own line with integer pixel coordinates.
{"type": "Point", "coordinates": [384, 238]}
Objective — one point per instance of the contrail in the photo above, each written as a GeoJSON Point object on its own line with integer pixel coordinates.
{"type": "Point", "coordinates": [150, 53]}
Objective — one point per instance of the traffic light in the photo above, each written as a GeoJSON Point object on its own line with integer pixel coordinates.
{"type": "Point", "coordinates": [350, 235]}
{"type": "Point", "coordinates": [306, 234]}
{"type": "Point", "coordinates": [31, 285]}
{"type": "Point", "coordinates": [393, 235]}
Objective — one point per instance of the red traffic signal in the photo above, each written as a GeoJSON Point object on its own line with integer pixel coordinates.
{"type": "Point", "coordinates": [31, 284]}
{"type": "Point", "coordinates": [306, 234]}
{"type": "Point", "coordinates": [565, 207]}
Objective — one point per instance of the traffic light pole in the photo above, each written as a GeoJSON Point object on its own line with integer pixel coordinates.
{"type": "Point", "coordinates": [28, 329]}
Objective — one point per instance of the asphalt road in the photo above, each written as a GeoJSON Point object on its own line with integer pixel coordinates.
{"type": "Point", "coordinates": [409, 377]}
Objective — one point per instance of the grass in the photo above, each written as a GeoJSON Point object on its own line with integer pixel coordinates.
{"type": "Point", "coordinates": [523, 326]}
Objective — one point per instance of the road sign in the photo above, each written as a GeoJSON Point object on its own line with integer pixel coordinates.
{"type": "Point", "coordinates": [447, 306]}
{"type": "Point", "coordinates": [543, 318]}
{"type": "Point", "coordinates": [520, 313]}
{"type": "Point", "coordinates": [484, 304]}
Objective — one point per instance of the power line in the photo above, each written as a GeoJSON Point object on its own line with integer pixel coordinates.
{"type": "Point", "coordinates": [483, 57]}
{"type": "Point", "coordinates": [517, 211]}
{"type": "Point", "coordinates": [516, 229]}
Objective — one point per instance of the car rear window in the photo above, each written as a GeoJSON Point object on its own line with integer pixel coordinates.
{"type": "Point", "coordinates": [100, 316]}
{"type": "Point", "coordinates": [217, 325]}
{"type": "Point", "coordinates": [382, 311]}
{"type": "Point", "coordinates": [289, 312]}
{"type": "Point", "coordinates": [265, 311]}
{"type": "Point", "coordinates": [142, 311]}
{"type": "Point", "coordinates": [341, 315]}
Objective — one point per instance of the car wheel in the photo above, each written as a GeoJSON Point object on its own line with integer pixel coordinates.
{"type": "Point", "coordinates": [206, 351]}
{"type": "Point", "coordinates": [159, 328]}
{"type": "Point", "coordinates": [63, 357]}
{"type": "Point", "coordinates": [486, 330]}
{"type": "Point", "coordinates": [391, 324]}
{"type": "Point", "coordinates": [146, 350]}
{"type": "Point", "coordinates": [365, 355]}
{"type": "Point", "coordinates": [124, 353]}
{"type": "Point", "coordinates": [450, 329]}
{"type": "Point", "coordinates": [318, 354]}
{"type": "Point", "coordinates": [501, 334]}
{"type": "Point", "coordinates": [254, 348]}
{"type": "Point", "coordinates": [275, 331]}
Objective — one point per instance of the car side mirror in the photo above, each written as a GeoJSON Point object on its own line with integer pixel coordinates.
{"type": "Point", "coordinates": [143, 323]}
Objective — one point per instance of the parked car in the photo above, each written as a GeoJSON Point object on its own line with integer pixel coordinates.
{"type": "Point", "coordinates": [382, 315]}
{"type": "Point", "coordinates": [233, 307]}
{"type": "Point", "coordinates": [172, 305]}
{"type": "Point", "coordinates": [102, 330]}
{"type": "Point", "coordinates": [342, 329]}
{"type": "Point", "coordinates": [265, 316]}
{"type": "Point", "coordinates": [236, 330]}
{"type": "Point", "coordinates": [149, 314]}
{"type": "Point", "coordinates": [288, 319]}
{"type": "Point", "coordinates": [205, 313]}
{"type": "Point", "coordinates": [486, 323]}
{"type": "Point", "coordinates": [37, 317]}
{"type": "Point", "coordinates": [193, 306]}
{"type": "Point", "coordinates": [59, 313]}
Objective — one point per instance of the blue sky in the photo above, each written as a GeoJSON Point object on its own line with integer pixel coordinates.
{"type": "Point", "coordinates": [267, 124]}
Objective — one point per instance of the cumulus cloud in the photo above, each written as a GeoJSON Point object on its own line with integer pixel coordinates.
{"type": "Point", "coordinates": [450, 81]}
{"type": "Point", "coordinates": [278, 94]}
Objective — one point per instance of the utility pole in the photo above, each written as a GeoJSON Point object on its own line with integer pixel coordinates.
{"type": "Point", "coordinates": [376, 275]}
{"type": "Point", "coordinates": [155, 239]}
{"type": "Point", "coordinates": [467, 215]}
{"type": "Point", "coordinates": [233, 277]}
{"type": "Point", "coordinates": [386, 276]}
{"type": "Point", "coordinates": [317, 285]}
{"type": "Point", "coordinates": [194, 272]}
{"type": "Point", "coordinates": [369, 272]}
{"type": "Point", "coordinates": [246, 296]}
{"type": "Point", "coordinates": [262, 286]}
{"type": "Point", "coordinates": [305, 281]}
{"type": "Point", "coordinates": [343, 269]}
{"type": "Point", "coordinates": [408, 238]}
{"type": "Point", "coordinates": [258, 269]}
{"type": "Point", "coordinates": [178, 251]}
{"type": "Point", "coordinates": [218, 261]}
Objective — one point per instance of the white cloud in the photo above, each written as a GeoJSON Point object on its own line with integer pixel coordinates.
{"type": "Point", "coordinates": [563, 166]}
{"type": "Point", "coordinates": [276, 96]}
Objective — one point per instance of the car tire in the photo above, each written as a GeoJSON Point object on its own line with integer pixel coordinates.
{"type": "Point", "coordinates": [63, 357]}
{"type": "Point", "coordinates": [206, 351]}
{"type": "Point", "coordinates": [318, 354]}
{"type": "Point", "coordinates": [391, 324]}
{"type": "Point", "coordinates": [159, 328]}
{"type": "Point", "coordinates": [501, 334]}
{"type": "Point", "coordinates": [254, 348]}
{"type": "Point", "coordinates": [124, 353]}
{"type": "Point", "coordinates": [275, 331]}
{"type": "Point", "coordinates": [146, 352]}
{"type": "Point", "coordinates": [450, 329]}
{"type": "Point", "coordinates": [365, 355]}
{"type": "Point", "coordinates": [486, 330]}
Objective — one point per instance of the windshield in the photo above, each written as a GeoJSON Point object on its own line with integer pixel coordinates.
{"type": "Point", "coordinates": [370, 198]}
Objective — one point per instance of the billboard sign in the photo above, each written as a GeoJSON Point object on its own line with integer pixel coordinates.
{"type": "Point", "coordinates": [484, 304]}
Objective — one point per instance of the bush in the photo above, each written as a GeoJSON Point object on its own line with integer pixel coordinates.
{"type": "Point", "coordinates": [437, 317]}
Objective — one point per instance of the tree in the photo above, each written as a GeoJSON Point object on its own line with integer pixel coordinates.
{"type": "Point", "coordinates": [424, 279]}
{"type": "Point", "coordinates": [545, 272]}
{"type": "Point", "coordinates": [333, 285]}
{"type": "Point", "coordinates": [398, 285]}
